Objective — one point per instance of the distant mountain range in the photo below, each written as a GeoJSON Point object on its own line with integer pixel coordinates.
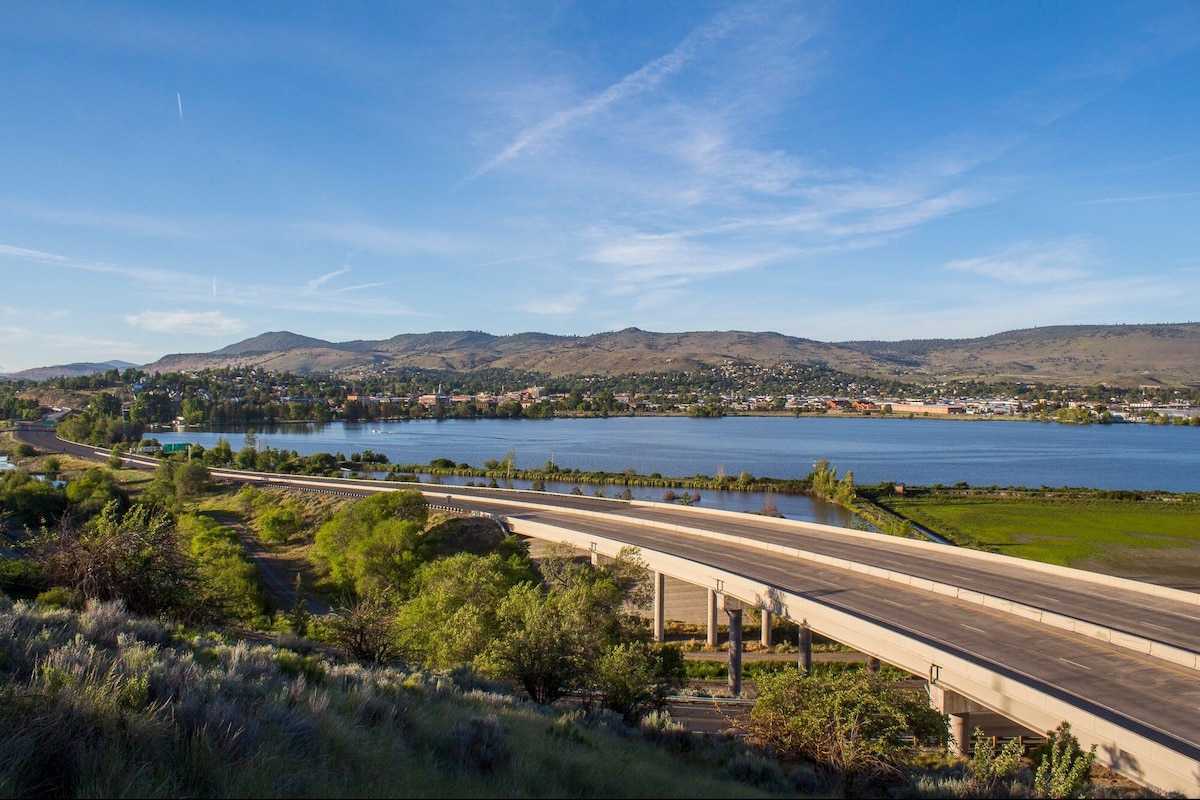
{"type": "Point", "coordinates": [1119, 355]}
{"type": "Point", "coordinates": [68, 370]}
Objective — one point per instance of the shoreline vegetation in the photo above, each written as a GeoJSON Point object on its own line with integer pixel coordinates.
{"type": "Point", "coordinates": [1106, 530]}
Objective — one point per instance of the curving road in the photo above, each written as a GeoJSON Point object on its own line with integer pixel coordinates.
{"type": "Point", "coordinates": [1118, 659]}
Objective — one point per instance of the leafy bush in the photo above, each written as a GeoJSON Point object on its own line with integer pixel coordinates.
{"type": "Point", "coordinates": [1065, 770]}
{"type": "Point", "coordinates": [856, 724]}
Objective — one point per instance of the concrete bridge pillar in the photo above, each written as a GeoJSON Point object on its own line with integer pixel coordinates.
{"type": "Point", "coordinates": [765, 636]}
{"type": "Point", "coordinates": [872, 664]}
{"type": "Point", "coordinates": [804, 645]}
{"type": "Point", "coordinates": [660, 606]}
{"type": "Point", "coordinates": [712, 618]}
{"type": "Point", "coordinates": [734, 609]}
{"type": "Point", "coordinates": [958, 709]}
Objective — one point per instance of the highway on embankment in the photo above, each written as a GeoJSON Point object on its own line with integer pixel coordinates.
{"type": "Point", "coordinates": [1118, 659]}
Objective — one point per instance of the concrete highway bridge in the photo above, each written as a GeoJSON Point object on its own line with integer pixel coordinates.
{"type": "Point", "coordinates": [1039, 644]}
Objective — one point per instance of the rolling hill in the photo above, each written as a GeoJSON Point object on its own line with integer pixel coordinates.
{"type": "Point", "coordinates": [1119, 355]}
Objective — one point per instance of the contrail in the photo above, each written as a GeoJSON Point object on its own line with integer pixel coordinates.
{"type": "Point", "coordinates": [179, 100]}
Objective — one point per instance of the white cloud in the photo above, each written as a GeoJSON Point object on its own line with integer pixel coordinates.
{"type": "Point", "coordinates": [189, 322]}
{"type": "Point", "coordinates": [636, 259]}
{"type": "Point", "coordinates": [1138, 198]}
{"type": "Point", "coordinates": [642, 80]}
{"type": "Point", "coordinates": [130, 224]}
{"type": "Point", "coordinates": [316, 283]}
{"type": "Point", "coordinates": [377, 239]}
{"type": "Point", "coordinates": [1031, 264]}
{"type": "Point", "coordinates": [176, 281]}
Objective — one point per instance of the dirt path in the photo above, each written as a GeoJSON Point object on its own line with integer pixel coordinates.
{"type": "Point", "coordinates": [279, 573]}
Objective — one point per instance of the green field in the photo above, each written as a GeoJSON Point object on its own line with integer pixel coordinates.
{"type": "Point", "coordinates": [1153, 540]}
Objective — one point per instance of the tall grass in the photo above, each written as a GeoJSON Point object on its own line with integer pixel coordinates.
{"type": "Point", "coordinates": [101, 703]}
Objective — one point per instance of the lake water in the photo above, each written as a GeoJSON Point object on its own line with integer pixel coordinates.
{"type": "Point", "coordinates": [910, 451]}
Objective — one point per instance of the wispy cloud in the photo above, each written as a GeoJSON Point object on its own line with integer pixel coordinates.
{"type": "Point", "coordinates": [176, 280]}
{"type": "Point", "coordinates": [1031, 264]}
{"type": "Point", "coordinates": [317, 283]}
{"type": "Point", "coordinates": [644, 258]}
{"type": "Point", "coordinates": [361, 286]}
{"type": "Point", "coordinates": [179, 286]}
{"type": "Point", "coordinates": [1138, 198]}
{"type": "Point", "coordinates": [645, 79]}
{"type": "Point", "coordinates": [125, 223]}
{"type": "Point", "coordinates": [210, 323]}
{"type": "Point", "coordinates": [379, 239]}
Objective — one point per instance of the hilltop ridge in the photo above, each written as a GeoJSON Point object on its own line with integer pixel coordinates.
{"type": "Point", "coordinates": [1119, 355]}
{"type": "Point", "coordinates": [1160, 354]}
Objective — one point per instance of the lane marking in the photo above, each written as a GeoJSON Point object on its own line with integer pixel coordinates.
{"type": "Point", "coordinates": [893, 602]}
{"type": "Point", "coordinates": [1051, 599]}
{"type": "Point", "coordinates": [1075, 663]}
{"type": "Point", "coordinates": [973, 628]}
{"type": "Point", "coordinates": [1160, 627]}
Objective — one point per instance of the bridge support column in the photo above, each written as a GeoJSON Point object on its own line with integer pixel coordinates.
{"type": "Point", "coordinates": [734, 609]}
{"type": "Point", "coordinates": [804, 645]}
{"type": "Point", "coordinates": [958, 708]}
{"type": "Point", "coordinates": [765, 637]}
{"type": "Point", "coordinates": [712, 618]}
{"type": "Point", "coordinates": [660, 606]}
{"type": "Point", "coordinates": [872, 664]}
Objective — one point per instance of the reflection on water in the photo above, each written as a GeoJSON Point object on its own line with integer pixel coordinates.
{"type": "Point", "coordinates": [919, 452]}
{"type": "Point", "coordinates": [798, 507]}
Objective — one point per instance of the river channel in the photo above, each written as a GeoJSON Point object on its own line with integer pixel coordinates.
{"type": "Point", "coordinates": [908, 451]}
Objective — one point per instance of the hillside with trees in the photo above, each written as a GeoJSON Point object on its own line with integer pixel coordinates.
{"type": "Point", "coordinates": [1118, 355]}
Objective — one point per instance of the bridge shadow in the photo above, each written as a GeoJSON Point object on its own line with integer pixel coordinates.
{"type": "Point", "coordinates": [1123, 762]}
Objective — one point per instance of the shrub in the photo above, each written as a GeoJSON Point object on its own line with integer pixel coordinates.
{"type": "Point", "coordinates": [61, 597]}
{"type": "Point", "coordinates": [1065, 770]}
{"type": "Point", "coordinates": [481, 744]}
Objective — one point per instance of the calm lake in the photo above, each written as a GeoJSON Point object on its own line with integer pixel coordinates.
{"type": "Point", "coordinates": [911, 451]}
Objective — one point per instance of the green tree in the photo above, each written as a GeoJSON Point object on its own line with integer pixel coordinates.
{"type": "Point", "coordinates": [537, 643]}
{"type": "Point", "coordinates": [31, 502]}
{"type": "Point", "coordinates": [280, 523]}
{"type": "Point", "coordinates": [191, 479]}
{"type": "Point", "coordinates": [452, 615]}
{"type": "Point", "coordinates": [550, 639]}
{"type": "Point", "coordinates": [856, 724]}
{"type": "Point", "coordinates": [93, 490]}
{"type": "Point", "coordinates": [220, 454]}
{"type": "Point", "coordinates": [229, 586]}
{"type": "Point", "coordinates": [636, 678]}
{"type": "Point", "coordinates": [105, 404]}
{"type": "Point", "coordinates": [368, 628]}
{"type": "Point", "coordinates": [375, 544]}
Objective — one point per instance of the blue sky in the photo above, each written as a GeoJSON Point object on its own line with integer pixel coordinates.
{"type": "Point", "coordinates": [177, 177]}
